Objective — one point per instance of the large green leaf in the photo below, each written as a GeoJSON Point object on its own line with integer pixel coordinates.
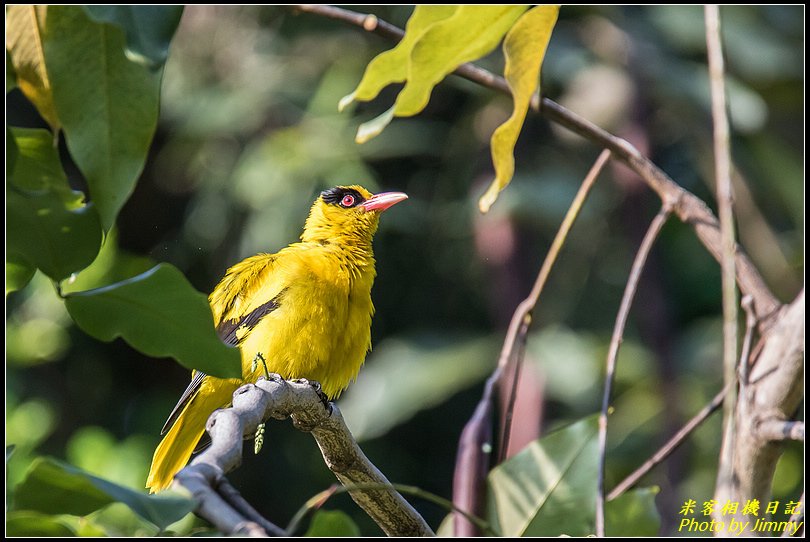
{"type": "Point", "coordinates": [108, 104]}
{"type": "Point", "coordinates": [549, 488]}
{"type": "Point", "coordinates": [160, 314]}
{"type": "Point", "coordinates": [53, 487]}
{"type": "Point", "coordinates": [25, 25]}
{"type": "Point", "coordinates": [524, 49]}
{"type": "Point", "coordinates": [19, 272]}
{"type": "Point", "coordinates": [633, 514]}
{"type": "Point", "coordinates": [149, 29]}
{"type": "Point", "coordinates": [329, 523]}
{"type": "Point", "coordinates": [418, 373]}
{"type": "Point", "coordinates": [112, 264]}
{"type": "Point", "coordinates": [47, 224]}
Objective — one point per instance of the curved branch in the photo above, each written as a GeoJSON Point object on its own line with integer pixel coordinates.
{"type": "Point", "coordinates": [615, 342]}
{"type": "Point", "coordinates": [222, 506]}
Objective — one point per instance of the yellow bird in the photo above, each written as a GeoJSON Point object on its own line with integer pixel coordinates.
{"type": "Point", "coordinates": [304, 312]}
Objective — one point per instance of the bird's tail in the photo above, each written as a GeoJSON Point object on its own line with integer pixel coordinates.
{"type": "Point", "coordinates": [176, 448]}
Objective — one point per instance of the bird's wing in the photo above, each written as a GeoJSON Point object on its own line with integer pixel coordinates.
{"type": "Point", "coordinates": [250, 290]}
{"type": "Point", "coordinates": [239, 300]}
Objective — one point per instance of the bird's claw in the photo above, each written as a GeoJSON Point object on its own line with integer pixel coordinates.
{"type": "Point", "coordinates": [321, 395]}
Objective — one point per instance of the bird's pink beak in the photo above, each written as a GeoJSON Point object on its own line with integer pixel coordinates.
{"type": "Point", "coordinates": [382, 201]}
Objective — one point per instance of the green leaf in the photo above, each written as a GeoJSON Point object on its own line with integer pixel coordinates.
{"type": "Point", "coordinates": [392, 66]}
{"type": "Point", "coordinates": [524, 48]}
{"type": "Point", "coordinates": [470, 33]}
{"type": "Point", "coordinates": [25, 25]}
{"type": "Point", "coordinates": [47, 224]}
{"type": "Point", "coordinates": [372, 128]}
{"type": "Point", "coordinates": [633, 514]}
{"type": "Point", "coordinates": [111, 265]}
{"type": "Point", "coordinates": [25, 523]}
{"type": "Point", "coordinates": [160, 314]}
{"type": "Point", "coordinates": [548, 488]}
{"type": "Point", "coordinates": [419, 373]}
{"type": "Point", "coordinates": [53, 487]}
{"type": "Point", "coordinates": [329, 523]}
{"type": "Point", "coordinates": [10, 451]}
{"type": "Point", "coordinates": [18, 272]}
{"type": "Point", "coordinates": [108, 104]}
{"type": "Point", "coordinates": [149, 29]}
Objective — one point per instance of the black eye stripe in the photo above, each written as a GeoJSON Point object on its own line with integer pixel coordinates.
{"type": "Point", "coordinates": [334, 196]}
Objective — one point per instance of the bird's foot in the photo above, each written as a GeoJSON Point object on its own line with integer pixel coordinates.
{"type": "Point", "coordinates": [321, 395]}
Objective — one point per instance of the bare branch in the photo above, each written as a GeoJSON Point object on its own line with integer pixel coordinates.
{"type": "Point", "coordinates": [670, 446]}
{"type": "Point", "coordinates": [722, 164]}
{"type": "Point", "coordinates": [277, 398]}
{"type": "Point", "coordinates": [615, 341]}
{"type": "Point", "coordinates": [473, 455]}
{"type": "Point", "coordinates": [777, 430]}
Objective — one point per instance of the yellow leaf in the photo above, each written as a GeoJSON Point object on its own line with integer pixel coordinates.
{"type": "Point", "coordinates": [524, 48]}
{"type": "Point", "coordinates": [24, 27]}
{"type": "Point", "coordinates": [372, 128]}
{"type": "Point", "coordinates": [470, 33]}
{"type": "Point", "coordinates": [392, 66]}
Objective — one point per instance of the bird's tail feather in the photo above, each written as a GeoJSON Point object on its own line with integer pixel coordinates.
{"type": "Point", "coordinates": [177, 445]}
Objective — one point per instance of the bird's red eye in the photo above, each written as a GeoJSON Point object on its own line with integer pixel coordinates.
{"type": "Point", "coordinates": [347, 201]}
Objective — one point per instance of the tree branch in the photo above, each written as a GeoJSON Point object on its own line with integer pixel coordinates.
{"type": "Point", "coordinates": [224, 508]}
{"type": "Point", "coordinates": [476, 438]}
{"type": "Point", "coordinates": [722, 165]}
{"type": "Point", "coordinates": [690, 209]}
{"type": "Point", "coordinates": [670, 446]}
{"type": "Point", "coordinates": [613, 353]}
{"type": "Point", "coordinates": [774, 390]}
{"type": "Point", "coordinates": [777, 430]}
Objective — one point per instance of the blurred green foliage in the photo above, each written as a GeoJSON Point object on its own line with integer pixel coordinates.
{"type": "Point", "coordinates": [249, 133]}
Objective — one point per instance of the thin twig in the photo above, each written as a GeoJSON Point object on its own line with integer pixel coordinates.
{"type": "Point", "coordinates": [368, 22]}
{"type": "Point", "coordinates": [615, 341]}
{"type": "Point", "coordinates": [745, 352]}
{"type": "Point", "coordinates": [521, 320]}
{"type": "Point", "coordinates": [676, 440]}
{"type": "Point", "coordinates": [506, 433]}
{"type": "Point", "coordinates": [690, 209]}
{"type": "Point", "coordinates": [750, 326]}
{"type": "Point", "coordinates": [670, 446]}
{"type": "Point", "coordinates": [722, 164]}
{"type": "Point", "coordinates": [551, 258]}
{"type": "Point", "coordinates": [465, 492]}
